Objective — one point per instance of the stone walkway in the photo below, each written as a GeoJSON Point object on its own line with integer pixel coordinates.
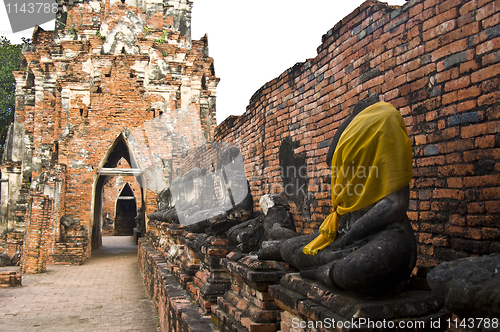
{"type": "Point", "coordinates": [104, 294]}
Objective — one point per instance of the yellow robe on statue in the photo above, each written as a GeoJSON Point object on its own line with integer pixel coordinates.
{"type": "Point", "coordinates": [373, 158]}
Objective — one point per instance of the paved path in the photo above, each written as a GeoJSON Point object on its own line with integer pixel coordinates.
{"type": "Point", "coordinates": [104, 294]}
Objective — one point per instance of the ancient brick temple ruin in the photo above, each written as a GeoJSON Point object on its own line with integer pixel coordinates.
{"type": "Point", "coordinates": [86, 92]}
{"type": "Point", "coordinates": [84, 96]}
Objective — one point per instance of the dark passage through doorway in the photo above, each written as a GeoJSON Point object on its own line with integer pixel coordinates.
{"type": "Point", "coordinates": [108, 168]}
{"type": "Point", "coordinates": [126, 211]}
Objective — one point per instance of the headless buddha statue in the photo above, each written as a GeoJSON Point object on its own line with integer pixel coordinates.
{"type": "Point", "coordinates": [367, 243]}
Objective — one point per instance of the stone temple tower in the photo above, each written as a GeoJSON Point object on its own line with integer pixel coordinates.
{"type": "Point", "coordinates": [118, 82]}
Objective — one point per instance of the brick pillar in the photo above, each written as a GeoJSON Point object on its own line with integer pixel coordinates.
{"type": "Point", "coordinates": [38, 234]}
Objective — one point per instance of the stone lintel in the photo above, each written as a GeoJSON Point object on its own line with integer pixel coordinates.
{"type": "Point", "coordinates": [119, 171]}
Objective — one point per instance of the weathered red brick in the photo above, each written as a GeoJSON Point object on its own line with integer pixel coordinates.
{"type": "Point", "coordinates": [468, 7]}
{"type": "Point", "coordinates": [455, 182]}
{"type": "Point", "coordinates": [475, 207]}
{"type": "Point", "coordinates": [489, 233]}
{"type": "Point", "coordinates": [480, 129]}
{"type": "Point", "coordinates": [488, 99]}
{"type": "Point", "coordinates": [441, 241]}
{"type": "Point", "coordinates": [440, 18]}
{"type": "Point", "coordinates": [466, 105]}
{"type": "Point", "coordinates": [457, 220]}
{"type": "Point", "coordinates": [452, 48]}
{"type": "Point", "coordinates": [440, 30]}
{"type": "Point", "coordinates": [492, 207]}
{"type": "Point", "coordinates": [485, 142]}
{"type": "Point", "coordinates": [481, 181]}
{"type": "Point", "coordinates": [485, 73]}
{"type": "Point", "coordinates": [488, 46]}
{"type": "Point", "coordinates": [459, 83]}
{"type": "Point", "coordinates": [487, 10]}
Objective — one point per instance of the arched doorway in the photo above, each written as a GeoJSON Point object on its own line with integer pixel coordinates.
{"type": "Point", "coordinates": [125, 212]}
{"type": "Point", "coordinates": [119, 149]}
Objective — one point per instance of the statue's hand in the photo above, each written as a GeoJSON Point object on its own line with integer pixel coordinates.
{"type": "Point", "coordinates": [341, 243]}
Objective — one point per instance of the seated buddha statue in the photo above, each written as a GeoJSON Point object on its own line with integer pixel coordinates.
{"type": "Point", "coordinates": [367, 242]}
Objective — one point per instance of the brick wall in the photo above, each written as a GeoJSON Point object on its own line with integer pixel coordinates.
{"type": "Point", "coordinates": [438, 63]}
{"type": "Point", "coordinates": [175, 307]}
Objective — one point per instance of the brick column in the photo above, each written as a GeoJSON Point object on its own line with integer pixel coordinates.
{"type": "Point", "coordinates": [38, 234]}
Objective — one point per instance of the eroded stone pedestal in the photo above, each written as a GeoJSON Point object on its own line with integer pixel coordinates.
{"type": "Point", "coordinates": [307, 305]}
{"type": "Point", "coordinates": [211, 280]}
{"type": "Point", "coordinates": [248, 306]}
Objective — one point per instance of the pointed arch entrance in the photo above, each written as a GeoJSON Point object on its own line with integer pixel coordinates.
{"type": "Point", "coordinates": [118, 150]}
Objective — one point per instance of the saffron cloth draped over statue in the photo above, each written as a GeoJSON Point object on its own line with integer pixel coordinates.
{"type": "Point", "coordinates": [373, 158]}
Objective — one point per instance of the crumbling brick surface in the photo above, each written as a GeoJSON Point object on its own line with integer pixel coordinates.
{"type": "Point", "coordinates": [193, 259]}
{"type": "Point", "coordinates": [38, 233]}
{"type": "Point", "coordinates": [176, 309]}
{"type": "Point", "coordinates": [435, 61]}
{"type": "Point", "coordinates": [10, 279]}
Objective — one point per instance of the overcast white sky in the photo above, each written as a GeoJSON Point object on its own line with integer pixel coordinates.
{"type": "Point", "coordinates": [251, 42]}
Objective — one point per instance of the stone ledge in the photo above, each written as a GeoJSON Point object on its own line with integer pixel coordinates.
{"type": "Point", "coordinates": [177, 310]}
{"type": "Point", "coordinates": [255, 273]}
{"type": "Point", "coordinates": [312, 301]}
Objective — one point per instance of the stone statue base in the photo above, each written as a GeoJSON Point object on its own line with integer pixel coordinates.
{"type": "Point", "coordinates": [248, 306]}
{"type": "Point", "coordinates": [308, 304]}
